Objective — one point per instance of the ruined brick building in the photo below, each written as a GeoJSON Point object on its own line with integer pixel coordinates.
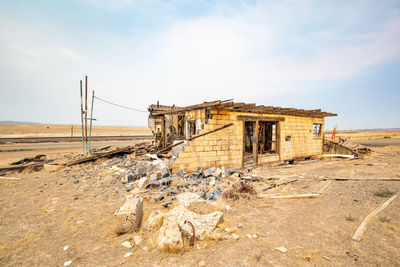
{"type": "Point", "coordinates": [224, 133]}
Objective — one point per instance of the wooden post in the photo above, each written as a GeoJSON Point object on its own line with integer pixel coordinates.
{"type": "Point", "coordinates": [86, 133]}
{"type": "Point", "coordinates": [83, 134]}
{"type": "Point", "coordinates": [255, 143]}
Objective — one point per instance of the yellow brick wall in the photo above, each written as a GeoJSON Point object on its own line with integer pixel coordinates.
{"type": "Point", "coordinates": [225, 147]}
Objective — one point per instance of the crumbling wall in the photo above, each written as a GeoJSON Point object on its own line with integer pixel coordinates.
{"type": "Point", "coordinates": [225, 147]}
{"type": "Point", "coordinates": [222, 148]}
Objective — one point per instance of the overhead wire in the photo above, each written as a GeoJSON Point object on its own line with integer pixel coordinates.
{"type": "Point", "coordinates": [121, 106]}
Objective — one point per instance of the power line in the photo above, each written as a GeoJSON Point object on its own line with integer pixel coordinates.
{"type": "Point", "coordinates": [120, 105]}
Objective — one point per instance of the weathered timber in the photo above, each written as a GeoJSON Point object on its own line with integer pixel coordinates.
{"type": "Point", "coordinates": [363, 226]}
{"type": "Point", "coordinates": [361, 179]}
{"type": "Point", "coordinates": [38, 158]}
{"type": "Point", "coordinates": [289, 196]}
{"type": "Point", "coordinates": [259, 118]}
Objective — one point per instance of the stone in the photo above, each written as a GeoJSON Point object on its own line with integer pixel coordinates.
{"type": "Point", "coordinates": [167, 204]}
{"type": "Point", "coordinates": [129, 216]}
{"type": "Point", "coordinates": [153, 176]}
{"type": "Point", "coordinates": [159, 197]}
{"type": "Point", "coordinates": [65, 248]}
{"type": "Point", "coordinates": [240, 225]}
{"type": "Point", "coordinates": [217, 172]}
{"type": "Point", "coordinates": [187, 198]}
{"type": "Point", "coordinates": [196, 175]}
{"type": "Point", "coordinates": [169, 236]}
{"type": "Point", "coordinates": [199, 170]}
{"type": "Point", "coordinates": [138, 240]}
{"type": "Point", "coordinates": [249, 236]}
{"type": "Point", "coordinates": [228, 230]}
{"type": "Point", "coordinates": [281, 249]}
{"type": "Point", "coordinates": [143, 182]}
{"type": "Point", "coordinates": [165, 172]}
{"type": "Point", "coordinates": [181, 174]}
{"type": "Point", "coordinates": [142, 170]}
{"type": "Point", "coordinates": [228, 208]}
{"type": "Point", "coordinates": [228, 237]}
{"type": "Point", "coordinates": [67, 263]}
{"type": "Point", "coordinates": [165, 181]}
{"type": "Point", "coordinates": [235, 236]}
{"type": "Point", "coordinates": [76, 181]}
{"type": "Point", "coordinates": [127, 244]}
{"type": "Point", "coordinates": [129, 187]}
{"type": "Point", "coordinates": [208, 172]}
{"type": "Point", "coordinates": [128, 178]}
{"type": "Point", "coordinates": [254, 236]}
{"type": "Point", "coordinates": [155, 184]}
{"type": "Point", "coordinates": [202, 263]}
{"type": "Point", "coordinates": [155, 220]}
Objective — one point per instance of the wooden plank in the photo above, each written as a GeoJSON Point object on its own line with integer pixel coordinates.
{"type": "Point", "coordinates": [289, 196]}
{"type": "Point", "coordinates": [100, 155]}
{"type": "Point", "coordinates": [259, 118]}
{"type": "Point", "coordinates": [362, 179]}
{"type": "Point", "coordinates": [363, 226]}
{"type": "Point", "coordinates": [255, 143]}
{"type": "Point", "coordinates": [279, 184]}
{"type": "Point", "coordinates": [9, 178]}
{"type": "Point", "coordinates": [324, 186]}
{"type": "Point", "coordinates": [188, 108]}
{"type": "Point", "coordinates": [213, 131]}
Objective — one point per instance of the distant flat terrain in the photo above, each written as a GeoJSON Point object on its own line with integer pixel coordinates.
{"type": "Point", "coordinates": [22, 130]}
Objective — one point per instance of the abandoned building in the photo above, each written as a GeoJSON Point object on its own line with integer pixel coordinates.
{"type": "Point", "coordinates": [235, 135]}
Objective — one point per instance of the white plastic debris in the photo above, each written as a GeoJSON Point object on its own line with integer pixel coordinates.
{"type": "Point", "coordinates": [127, 244]}
{"type": "Point", "coordinates": [67, 263]}
{"type": "Point", "coordinates": [281, 249]}
{"type": "Point", "coordinates": [65, 248]}
{"type": "Point", "coordinates": [128, 254]}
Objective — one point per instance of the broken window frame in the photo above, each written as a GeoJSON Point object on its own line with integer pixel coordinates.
{"type": "Point", "coordinates": [317, 130]}
{"type": "Point", "coordinates": [263, 147]}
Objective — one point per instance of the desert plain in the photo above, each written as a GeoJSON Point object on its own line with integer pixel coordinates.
{"type": "Point", "coordinates": [65, 215]}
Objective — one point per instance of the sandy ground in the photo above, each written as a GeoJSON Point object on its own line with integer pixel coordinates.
{"type": "Point", "coordinates": [15, 130]}
{"type": "Point", "coordinates": [45, 211]}
{"type": "Point", "coordinates": [364, 134]}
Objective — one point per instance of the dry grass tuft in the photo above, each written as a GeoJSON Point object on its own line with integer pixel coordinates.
{"type": "Point", "coordinates": [238, 191]}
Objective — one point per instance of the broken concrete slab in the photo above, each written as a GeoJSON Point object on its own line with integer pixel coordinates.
{"type": "Point", "coordinates": [165, 172]}
{"type": "Point", "coordinates": [143, 182]}
{"type": "Point", "coordinates": [209, 172]}
{"type": "Point", "coordinates": [129, 216]}
{"type": "Point", "coordinates": [170, 235]}
{"type": "Point", "coordinates": [187, 198]}
{"type": "Point", "coordinates": [155, 220]}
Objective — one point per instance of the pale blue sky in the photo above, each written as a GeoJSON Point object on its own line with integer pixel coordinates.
{"type": "Point", "coordinates": [341, 56]}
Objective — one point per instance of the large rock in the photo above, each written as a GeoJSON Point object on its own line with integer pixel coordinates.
{"type": "Point", "coordinates": [129, 216]}
{"type": "Point", "coordinates": [170, 235]}
{"type": "Point", "coordinates": [155, 220]}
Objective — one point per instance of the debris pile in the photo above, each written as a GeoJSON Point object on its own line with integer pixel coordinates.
{"type": "Point", "coordinates": [346, 147]}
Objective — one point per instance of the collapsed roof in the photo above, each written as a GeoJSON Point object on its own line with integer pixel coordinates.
{"type": "Point", "coordinates": [238, 107]}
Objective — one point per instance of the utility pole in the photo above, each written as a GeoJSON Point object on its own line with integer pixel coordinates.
{"type": "Point", "coordinates": [83, 141]}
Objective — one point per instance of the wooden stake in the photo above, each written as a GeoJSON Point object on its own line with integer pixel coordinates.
{"type": "Point", "coordinates": [363, 226]}
{"type": "Point", "coordinates": [86, 111]}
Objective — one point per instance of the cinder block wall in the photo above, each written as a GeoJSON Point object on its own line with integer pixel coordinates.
{"type": "Point", "coordinates": [225, 147]}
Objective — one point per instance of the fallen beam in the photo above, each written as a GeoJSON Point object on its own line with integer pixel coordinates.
{"type": "Point", "coordinates": [279, 184]}
{"type": "Point", "coordinates": [324, 186]}
{"type": "Point", "coordinates": [289, 196]}
{"type": "Point", "coordinates": [125, 150]}
{"type": "Point", "coordinates": [363, 226]}
{"type": "Point", "coordinates": [9, 178]}
{"type": "Point", "coordinates": [361, 179]}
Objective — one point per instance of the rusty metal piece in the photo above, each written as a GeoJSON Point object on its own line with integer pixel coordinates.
{"type": "Point", "coordinates": [191, 242]}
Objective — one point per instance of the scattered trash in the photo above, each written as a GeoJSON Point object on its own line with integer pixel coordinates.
{"type": "Point", "coordinates": [282, 249]}
{"type": "Point", "coordinates": [127, 244]}
{"type": "Point", "coordinates": [128, 254]}
{"type": "Point", "coordinates": [65, 248]}
{"type": "Point", "coordinates": [67, 263]}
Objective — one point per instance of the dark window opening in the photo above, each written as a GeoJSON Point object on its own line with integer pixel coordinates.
{"type": "Point", "coordinates": [267, 137]}
{"type": "Point", "coordinates": [317, 129]}
{"type": "Point", "coordinates": [181, 127]}
{"type": "Point", "coordinates": [248, 137]}
{"type": "Point", "coordinates": [191, 128]}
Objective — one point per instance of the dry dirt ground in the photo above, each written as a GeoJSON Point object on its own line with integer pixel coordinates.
{"type": "Point", "coordinates": [15, 130]}
{"type": "Point", "coordinates": [46, 211]}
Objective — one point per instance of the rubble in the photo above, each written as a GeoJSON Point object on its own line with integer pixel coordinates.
{"type": "Point", "coordinates": [129, 216]}
{"type": "Point", "coordinates": [170, 236]}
